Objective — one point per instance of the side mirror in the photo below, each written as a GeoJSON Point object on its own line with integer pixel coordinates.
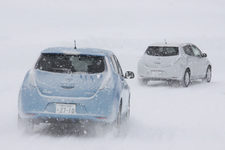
{"type": "Point", "coordinates": [129, 75]}
{"type": "Point", "coordinates": [204, 55]}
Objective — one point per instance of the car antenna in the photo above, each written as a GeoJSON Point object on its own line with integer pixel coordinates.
{"type": "Point", "coordinates": [75, 47]}
{"type": "Point", "coordinates": [165, 41]}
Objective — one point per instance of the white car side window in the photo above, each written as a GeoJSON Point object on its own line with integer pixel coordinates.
{"type": "Point", "coordinates": [196, 51]}
{"type": "Point", "coordinates": [188, 50]}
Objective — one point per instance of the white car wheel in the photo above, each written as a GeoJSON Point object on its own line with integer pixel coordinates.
{"type": "Point", "coordinates": [208, 75]}
{"type": "Point", "coordinates": [186, 79]}
{"type": "Point", "coordinates": [143, 81]}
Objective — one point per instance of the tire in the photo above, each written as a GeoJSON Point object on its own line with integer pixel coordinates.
{"type": "Point", "coordinates": [143, 81]}
{"type": "Point", "coordinates": [128, 111]}
{"type": "Point", "coordinates": [20, 123]}
{"type": "Point", "coordinates": [29, 126]}
{"type": "Point", "coordinates": [170, 82]}
{"type": "Point", "coordinates": [186, 79]}
{"type": "Point", "coordinates": [208, 74]}
{"type": "Point", "coordinates": [118, 122]}
{"type": "Point", "coordinates": [25, 124]}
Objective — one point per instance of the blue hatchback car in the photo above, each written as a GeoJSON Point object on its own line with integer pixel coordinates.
{"type": "Point", "coordinates": [73, 85]}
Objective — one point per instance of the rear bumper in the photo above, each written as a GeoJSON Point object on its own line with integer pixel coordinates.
{"type": "Point", "coordinates": [37, 119]}
{"type": "Point", "coordinates": [40, 109]}
{"type": "Point", "coordinates": [53, 118]}
{"type": "Point", "coordinates": [174, 72]}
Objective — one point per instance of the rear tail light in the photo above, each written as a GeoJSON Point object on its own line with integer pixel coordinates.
{"type": "Point", "coordinates": [30, 114]}
{"type": "Point", "coordinates": [101, 117]}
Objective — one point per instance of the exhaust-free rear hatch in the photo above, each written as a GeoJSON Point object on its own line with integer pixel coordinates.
{"type": "Point", "coordinates": [160, 56]}
{"type": "Point", "coordinates": [69, 75]}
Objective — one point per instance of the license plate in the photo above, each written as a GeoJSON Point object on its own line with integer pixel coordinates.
{"type": "Point", "coordinates": [65, 109]}
{"type": "Point", "coordinates": [156, 72]}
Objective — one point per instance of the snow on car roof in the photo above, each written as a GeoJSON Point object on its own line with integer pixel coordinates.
{"type": "Point", "coordinates": [170, 44]}
{"type": "Point", "coordinates": [85, 51]}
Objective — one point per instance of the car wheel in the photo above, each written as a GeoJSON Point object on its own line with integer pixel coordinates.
{"type": "Point", "coordinates": [170, 82]}
{"type": "Point", "coordinates": [186, 79]}
{"type": "Point", "coordinates": [143, 81]}
{"type": "Point", "coordinates": [118, 121]}
{"type": "Point", "coordinates": [25, 124]}
{"type": "Point", "coordinates": [20, 123]}
{"type": "Point", "coordinates": [128, 111]}
{"type": "Point", "coordinates": [29, 125]}
{"type": "Point", "coordinates": [208, 75]}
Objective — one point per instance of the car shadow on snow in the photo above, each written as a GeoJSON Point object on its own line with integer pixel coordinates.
{"type": "Point", "coordinates": [80, 130]}
{"type": "Point", "coordinates": [163, 84]}
{"type": "Point", "coordinates": [173, 84]}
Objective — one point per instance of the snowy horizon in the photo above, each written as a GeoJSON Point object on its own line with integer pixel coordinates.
{"type": "Point", "coordinates": [162, 117]}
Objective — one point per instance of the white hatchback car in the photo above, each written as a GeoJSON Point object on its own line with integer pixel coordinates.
{"type": "Point", "coordinates": [182, 62]}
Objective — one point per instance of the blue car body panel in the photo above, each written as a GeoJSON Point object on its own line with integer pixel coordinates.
{"type": "Point", "coordinates": [97, 96]}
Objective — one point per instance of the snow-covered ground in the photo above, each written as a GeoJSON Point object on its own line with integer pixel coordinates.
{"type": "Point", "coordinates": [162, 117]}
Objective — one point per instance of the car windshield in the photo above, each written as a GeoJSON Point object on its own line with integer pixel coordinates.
{"type": "Point", "coordinates": [162, 51]}
{"type": "Point", "coordinates": [63, 63]}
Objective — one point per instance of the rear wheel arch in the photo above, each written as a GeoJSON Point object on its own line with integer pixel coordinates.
{"type": "Point", "coordinates": [189, 70]}
{"type": "Point", "coordinates": [209, 66]}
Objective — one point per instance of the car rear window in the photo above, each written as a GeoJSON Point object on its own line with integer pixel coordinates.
{"type": "Point", "coordinates": [162, 51]}
{"type": "Point", "coordinates": [62, 63]}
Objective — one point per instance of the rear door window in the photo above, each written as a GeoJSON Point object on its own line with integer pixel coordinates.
{"type": "Point", "coordinates": [196, 51]}
{"type": "Point", "coordinates": [188, 50]}
{"type": "Point", "coordinates": [62, 63]}
{"type": "Point", "coordinates": [162, 51]}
